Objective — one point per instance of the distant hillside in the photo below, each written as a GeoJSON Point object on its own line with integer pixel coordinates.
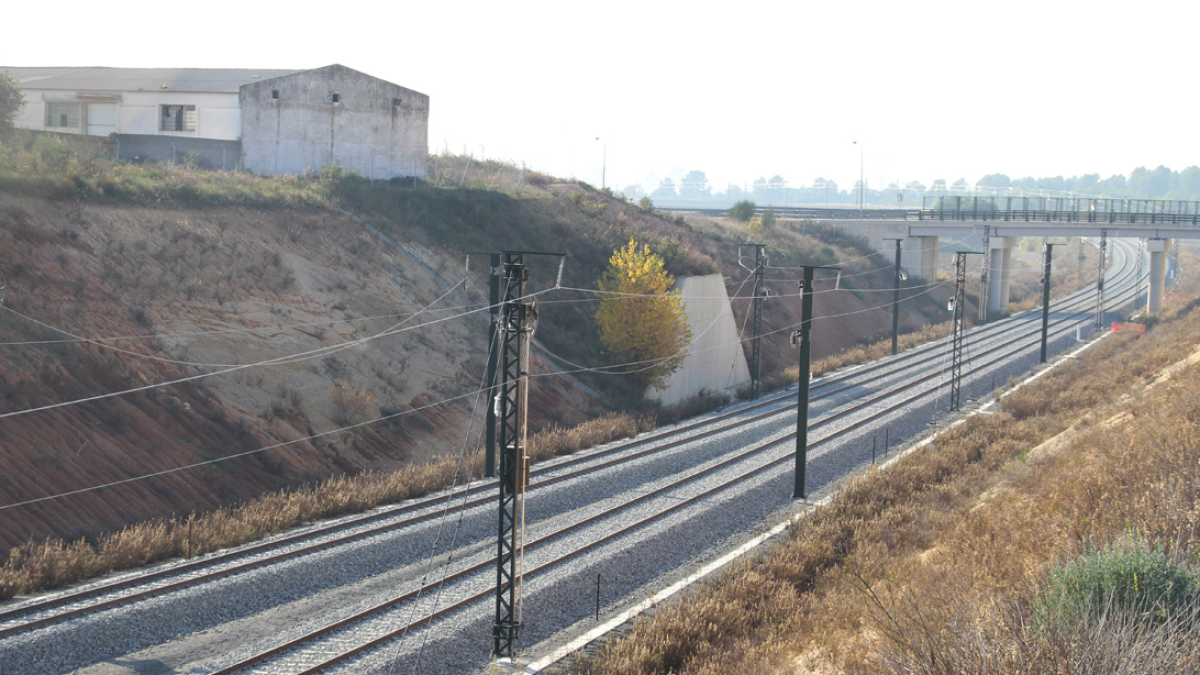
{"type": "Point", "coordinates": [299, 307]}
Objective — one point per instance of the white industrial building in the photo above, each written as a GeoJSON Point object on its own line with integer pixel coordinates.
{"type": "Point", "coordinates": [269, 121]}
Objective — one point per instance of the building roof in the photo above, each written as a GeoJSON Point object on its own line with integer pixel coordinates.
{"type": "Point", "coordinates": [218, 80]}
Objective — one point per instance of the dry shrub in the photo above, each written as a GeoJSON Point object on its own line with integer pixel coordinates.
{"type": "Point", "coordinates": [351, 403]}
{"type": "Point", "coordinates": [705, 630]}
{"type": "Point", "coordinates": [564, 441]}
{"type": "Point", "coordinates": [952, 630]}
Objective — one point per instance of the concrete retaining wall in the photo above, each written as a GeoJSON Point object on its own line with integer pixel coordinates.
{"type": "Point", "coordinates": [210, 154]}
{"type": "Point", "coordinates": [717, 361]}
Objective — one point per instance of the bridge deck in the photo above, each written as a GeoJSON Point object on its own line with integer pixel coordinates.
{"type": "Point", "coordinates": [1098, 217]}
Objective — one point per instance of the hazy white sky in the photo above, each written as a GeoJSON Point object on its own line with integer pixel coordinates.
{"type": "Point", "coordinates": [737, 90]}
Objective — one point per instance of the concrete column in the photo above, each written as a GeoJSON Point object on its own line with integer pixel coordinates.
{"type": "Point", "coordinates": [1006, 272]}
{"type": "Point", "coordinates": [927, 248]}
{"type": "Point", "coordinates": [910, 254]}
{"type": "Point", "coordinates": [1158, 273]}
{"type": "Point", "coordinates": [999, 274]}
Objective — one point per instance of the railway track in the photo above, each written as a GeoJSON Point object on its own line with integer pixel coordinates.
{"type": "Point", "coordinates": [344, 639]}
{"type": "Point", "coordinates": [646, 455]}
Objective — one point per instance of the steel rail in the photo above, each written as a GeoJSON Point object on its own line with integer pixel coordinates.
{"type": "Point", "coordinates": [369, 613]}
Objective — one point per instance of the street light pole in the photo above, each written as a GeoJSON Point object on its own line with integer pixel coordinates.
{"type": "Point", "coordinates": [862, 187]}
{"type": "Point", "coordinates": [604, 163]}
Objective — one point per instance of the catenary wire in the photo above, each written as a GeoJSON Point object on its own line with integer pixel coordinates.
{"type": "Point", "coordinates": [292, 358]}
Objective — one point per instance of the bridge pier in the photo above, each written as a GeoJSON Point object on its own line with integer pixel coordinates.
{"type": "Point", "coordinates": [919, 256]}
{"type": "Point", "coordinates": [999, 261]}
{"type": "Point", "coordinates": [1158, 273]}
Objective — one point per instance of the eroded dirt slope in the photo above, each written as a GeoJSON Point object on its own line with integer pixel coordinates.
{"type": "Point", "coordinates": [168, 294]}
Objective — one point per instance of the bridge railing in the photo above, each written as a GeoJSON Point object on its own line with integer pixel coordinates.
{"type": "Point", "coordinates": [1141, 208]}
{"type": "Point", "coordinates": [1055, 216]}
{"type": "Point", "coordinates": [988, 211]}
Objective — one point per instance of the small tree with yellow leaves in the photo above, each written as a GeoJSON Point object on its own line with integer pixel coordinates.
{"type": "Point", "coordinates": [642, 322]}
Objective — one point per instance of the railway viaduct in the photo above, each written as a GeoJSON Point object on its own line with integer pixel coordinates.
{"type": "Point", "coordinates": [998, 221]}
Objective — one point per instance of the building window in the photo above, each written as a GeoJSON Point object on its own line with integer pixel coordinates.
{"type": "Point", "coordinates": [274, 94]}
{"type": "Point", "coordinates": [62, 115]}
{"type": "Point", "coordinates": [178, 118]}
{"type": "Point", "coordinates": [337, 98]}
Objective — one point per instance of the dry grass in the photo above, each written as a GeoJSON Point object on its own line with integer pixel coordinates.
{"type": "Point", "coordinates": [43, 565]}
{"type": "Point", "coordinates": [933, 565]}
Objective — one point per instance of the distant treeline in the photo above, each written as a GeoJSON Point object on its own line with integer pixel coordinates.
{"type": "Point", "coordinates": [1142, 183]}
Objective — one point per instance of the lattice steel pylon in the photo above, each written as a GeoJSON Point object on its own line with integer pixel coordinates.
{"type": "Point", "coordinates": [1099, 324]}
{"type": "Point", "coordinates": [516, 315]}
{"type": "Point", "coordinates": [959, 309]}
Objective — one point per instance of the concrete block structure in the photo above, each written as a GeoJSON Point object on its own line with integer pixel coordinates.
{"type": "Point", "coordinates": [1158, 273]}
{"type": "Point", "coordinates": [999, 274]}
{"type": "Point", "coordinates": [716, 361]}
{"type": "Point", "coordinates": [271, 121]}
{"type": "Point", "coordinates": [301, 122]}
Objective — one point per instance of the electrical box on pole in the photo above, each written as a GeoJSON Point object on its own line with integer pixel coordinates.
{"type": "Point", "coordinates": [802, 339]}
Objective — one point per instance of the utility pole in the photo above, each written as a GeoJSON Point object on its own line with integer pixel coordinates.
{"type": "Point", "coordinates": [489, 450]}
{"type": "Point", "coordinates": [896, 299]}
{"type": "Point", "coordinates": [802, 339]}
{"type": "Point", "coordinates": [1099, 324]}
{"type": "Point", "coordinates": [1046, 296]}
{"type": "Point", "coordinates": [958, 306]}
{"type": "Point", "coordinates": [760, 294]}
{"type": "Point", "coordinates": [518, 319]}
{"type": "Point", "coordinates": [1081, 258]}
{"type": "Point", "coordinates": [1137, 275]}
